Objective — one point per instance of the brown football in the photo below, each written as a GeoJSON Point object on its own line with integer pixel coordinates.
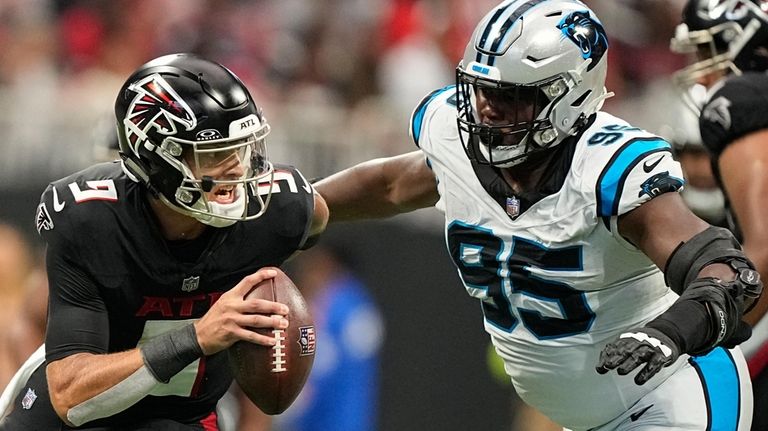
{"type": "Point", "coordinates": [272, 377]}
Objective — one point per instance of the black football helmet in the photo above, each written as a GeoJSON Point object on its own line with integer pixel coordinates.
{"type": "Point", "coordinates": [178, 113]}
{"type": "Point", "coordinates": [728, 36]}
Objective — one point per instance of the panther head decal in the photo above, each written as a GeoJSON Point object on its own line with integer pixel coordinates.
{"type": "Point", "coordinates": [587, 33]}
{"type": "Point", "coordinates": [659, 184]}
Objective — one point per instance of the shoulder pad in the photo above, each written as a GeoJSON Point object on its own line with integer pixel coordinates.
{"type": "Point", "coordinates": [420, 117]}
{"type": "Point", "coordinates": [292, 203]}
{"type": "Point", "coordinates": [79, 202]}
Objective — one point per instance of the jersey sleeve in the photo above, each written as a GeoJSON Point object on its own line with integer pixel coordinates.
{"type": "Point", "coordinates": [632, 171]}
{"type": "Point", "coordinates": [427, 111]}
{"type": "Point", "coordinates": [735, 109]}
{"type": "Point", "coordinates": [294, 199]}
{"type": "Point", "coordinates": [77, 316]}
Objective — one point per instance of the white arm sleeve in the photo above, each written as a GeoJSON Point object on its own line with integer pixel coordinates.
{"type": "Point", "coordinates": [115, 399]}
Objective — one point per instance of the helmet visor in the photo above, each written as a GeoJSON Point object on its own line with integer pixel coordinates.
{"type": "Point", "coordinates": [249, 152]}
{"type": "Point", "coordinates": [221, 176]}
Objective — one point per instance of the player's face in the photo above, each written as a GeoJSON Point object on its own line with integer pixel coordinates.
{"type": "Point", "coordinates": [511, 109]}
{"type": "Point", "coordinates": [225, 164]}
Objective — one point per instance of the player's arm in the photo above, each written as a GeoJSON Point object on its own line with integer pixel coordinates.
{"type": "Point", "coordinates": [743, 172]}
{"type": "Point", "coordinates": [319, 216]}
{"type": "Point", "coordinates": [85, 383]}
{"type": "Point", "coordinates": [317, 223]}
{"type": "Point", "coordinates": [701, 265]}
{"type": "Point", "coordinates": [380, 188]}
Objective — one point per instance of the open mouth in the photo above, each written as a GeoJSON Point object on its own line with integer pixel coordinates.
{"type": "Point", "coordinates": [225, 194]}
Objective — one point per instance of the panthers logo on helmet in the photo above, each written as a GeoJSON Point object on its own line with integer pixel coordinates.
{"type": "Point", "coordinates": [587, 33]}
{"type": "Point", "coordinates": [157, 106]}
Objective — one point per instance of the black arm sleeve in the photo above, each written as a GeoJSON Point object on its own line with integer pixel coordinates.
{"type": "Point", "coordinates": [709, 311]}
{"type": "Point", "coordinates": [77, 316]}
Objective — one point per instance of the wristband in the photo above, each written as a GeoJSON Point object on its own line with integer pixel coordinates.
{"type": "Point", "coordinates": [167, 354]}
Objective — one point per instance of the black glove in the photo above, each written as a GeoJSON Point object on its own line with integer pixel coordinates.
{"type": "Point", "coordinates": [742, 334]}
{"type": "Point", "coordinates": [644, 345]}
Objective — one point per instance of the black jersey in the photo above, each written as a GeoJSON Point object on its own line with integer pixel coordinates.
{"type": "Point", "coordinates": [737, 108]}
{"type": "Point", "coordinates": [115, 282]}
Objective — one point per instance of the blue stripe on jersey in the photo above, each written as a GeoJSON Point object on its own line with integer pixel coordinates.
{"type": "Point", "coordinates": [418, 115]}
{"type": "Point", "coordinates": [611, 180]}
{"type": "Point", "coordinates": [720, 379]}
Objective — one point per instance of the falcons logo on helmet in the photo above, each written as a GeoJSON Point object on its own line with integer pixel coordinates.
{"type": "Point", "coordinates": [158, 106]}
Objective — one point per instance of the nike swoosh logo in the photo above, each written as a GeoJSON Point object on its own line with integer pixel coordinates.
{"type": "Point", "coordinates": [649, 167]}
{"type": "Point", "coordinates": [636, 415]}
{"type": "Point", "coordinates": [57, 205]}
{"type": "Point", "coordinates": [307, 188]}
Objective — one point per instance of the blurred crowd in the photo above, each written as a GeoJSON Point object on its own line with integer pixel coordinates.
{"type": "Point", "coordinates": [337, 78]}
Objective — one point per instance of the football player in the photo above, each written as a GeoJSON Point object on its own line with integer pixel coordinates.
{"type": "Point", "coordinates": [613, 306]}
{"type": "Point", "coordinates": [149, 258]}
{"type": "Point", "coordinates": [730, 42]}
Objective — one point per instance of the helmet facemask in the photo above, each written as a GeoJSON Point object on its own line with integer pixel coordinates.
{"type": "Point", "coordinates": [525, 128]}
{"type": "Point", "coordinates": [217, 175]}
{"type": "Point", "coordinates": [715, 50]}
{"type": "Point", "coordinates": [725, 37]}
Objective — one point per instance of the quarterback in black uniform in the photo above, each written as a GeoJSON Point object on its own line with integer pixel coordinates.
{"type": "Point", "coordinates": [149, 258]}
{"type": "Point", "coordinates": [730, 39]}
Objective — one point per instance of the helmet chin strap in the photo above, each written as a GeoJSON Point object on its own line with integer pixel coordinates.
{"type": "Point", "coordinates": [233, 211]}
{"type": "Point", "coordinates": [223, 215]}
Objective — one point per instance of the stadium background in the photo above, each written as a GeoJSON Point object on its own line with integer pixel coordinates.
{"type": "Point", "coordinates": [337, 80]}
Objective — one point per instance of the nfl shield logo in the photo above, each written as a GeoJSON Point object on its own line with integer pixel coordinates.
{"type": "Point", "coordinates": [29, 399]}
{"type": "Point", "coordinates": [190, 283]}
{"type": "Point", "coordinates": [307, 340]}
{"type": "Point", "coordinates": [513, 207]}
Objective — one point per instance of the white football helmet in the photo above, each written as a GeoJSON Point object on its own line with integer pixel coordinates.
{"type": "Point", "coordinates": [544, 58]}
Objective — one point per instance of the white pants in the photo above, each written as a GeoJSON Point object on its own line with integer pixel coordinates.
{"type": "Point", "coordinates": [711, 392]}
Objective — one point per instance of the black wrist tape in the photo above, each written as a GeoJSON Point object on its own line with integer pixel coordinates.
{"type": "Point", "coordinates": [687, 324]}
{"type": "Point", "coordinates": [167, 354]}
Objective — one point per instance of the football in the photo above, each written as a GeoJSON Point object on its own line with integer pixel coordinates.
{"type": "Point", "coordinates": [272, 377]}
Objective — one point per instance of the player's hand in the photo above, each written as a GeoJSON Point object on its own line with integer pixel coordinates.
{"type": "Point", "coordinates": [637, 347]}
{"type": "Point", "coordinates": [231, 317]}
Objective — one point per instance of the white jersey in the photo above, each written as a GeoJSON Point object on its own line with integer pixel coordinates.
{"type": "Point", "coordinates": [556, 280]}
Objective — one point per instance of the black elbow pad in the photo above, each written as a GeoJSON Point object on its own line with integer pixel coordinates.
{"type": "Point", "coordinates": [714, 245]}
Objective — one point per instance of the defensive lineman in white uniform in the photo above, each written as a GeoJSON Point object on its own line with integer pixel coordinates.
{"type": "Point", "coordinates": [558, 217]}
